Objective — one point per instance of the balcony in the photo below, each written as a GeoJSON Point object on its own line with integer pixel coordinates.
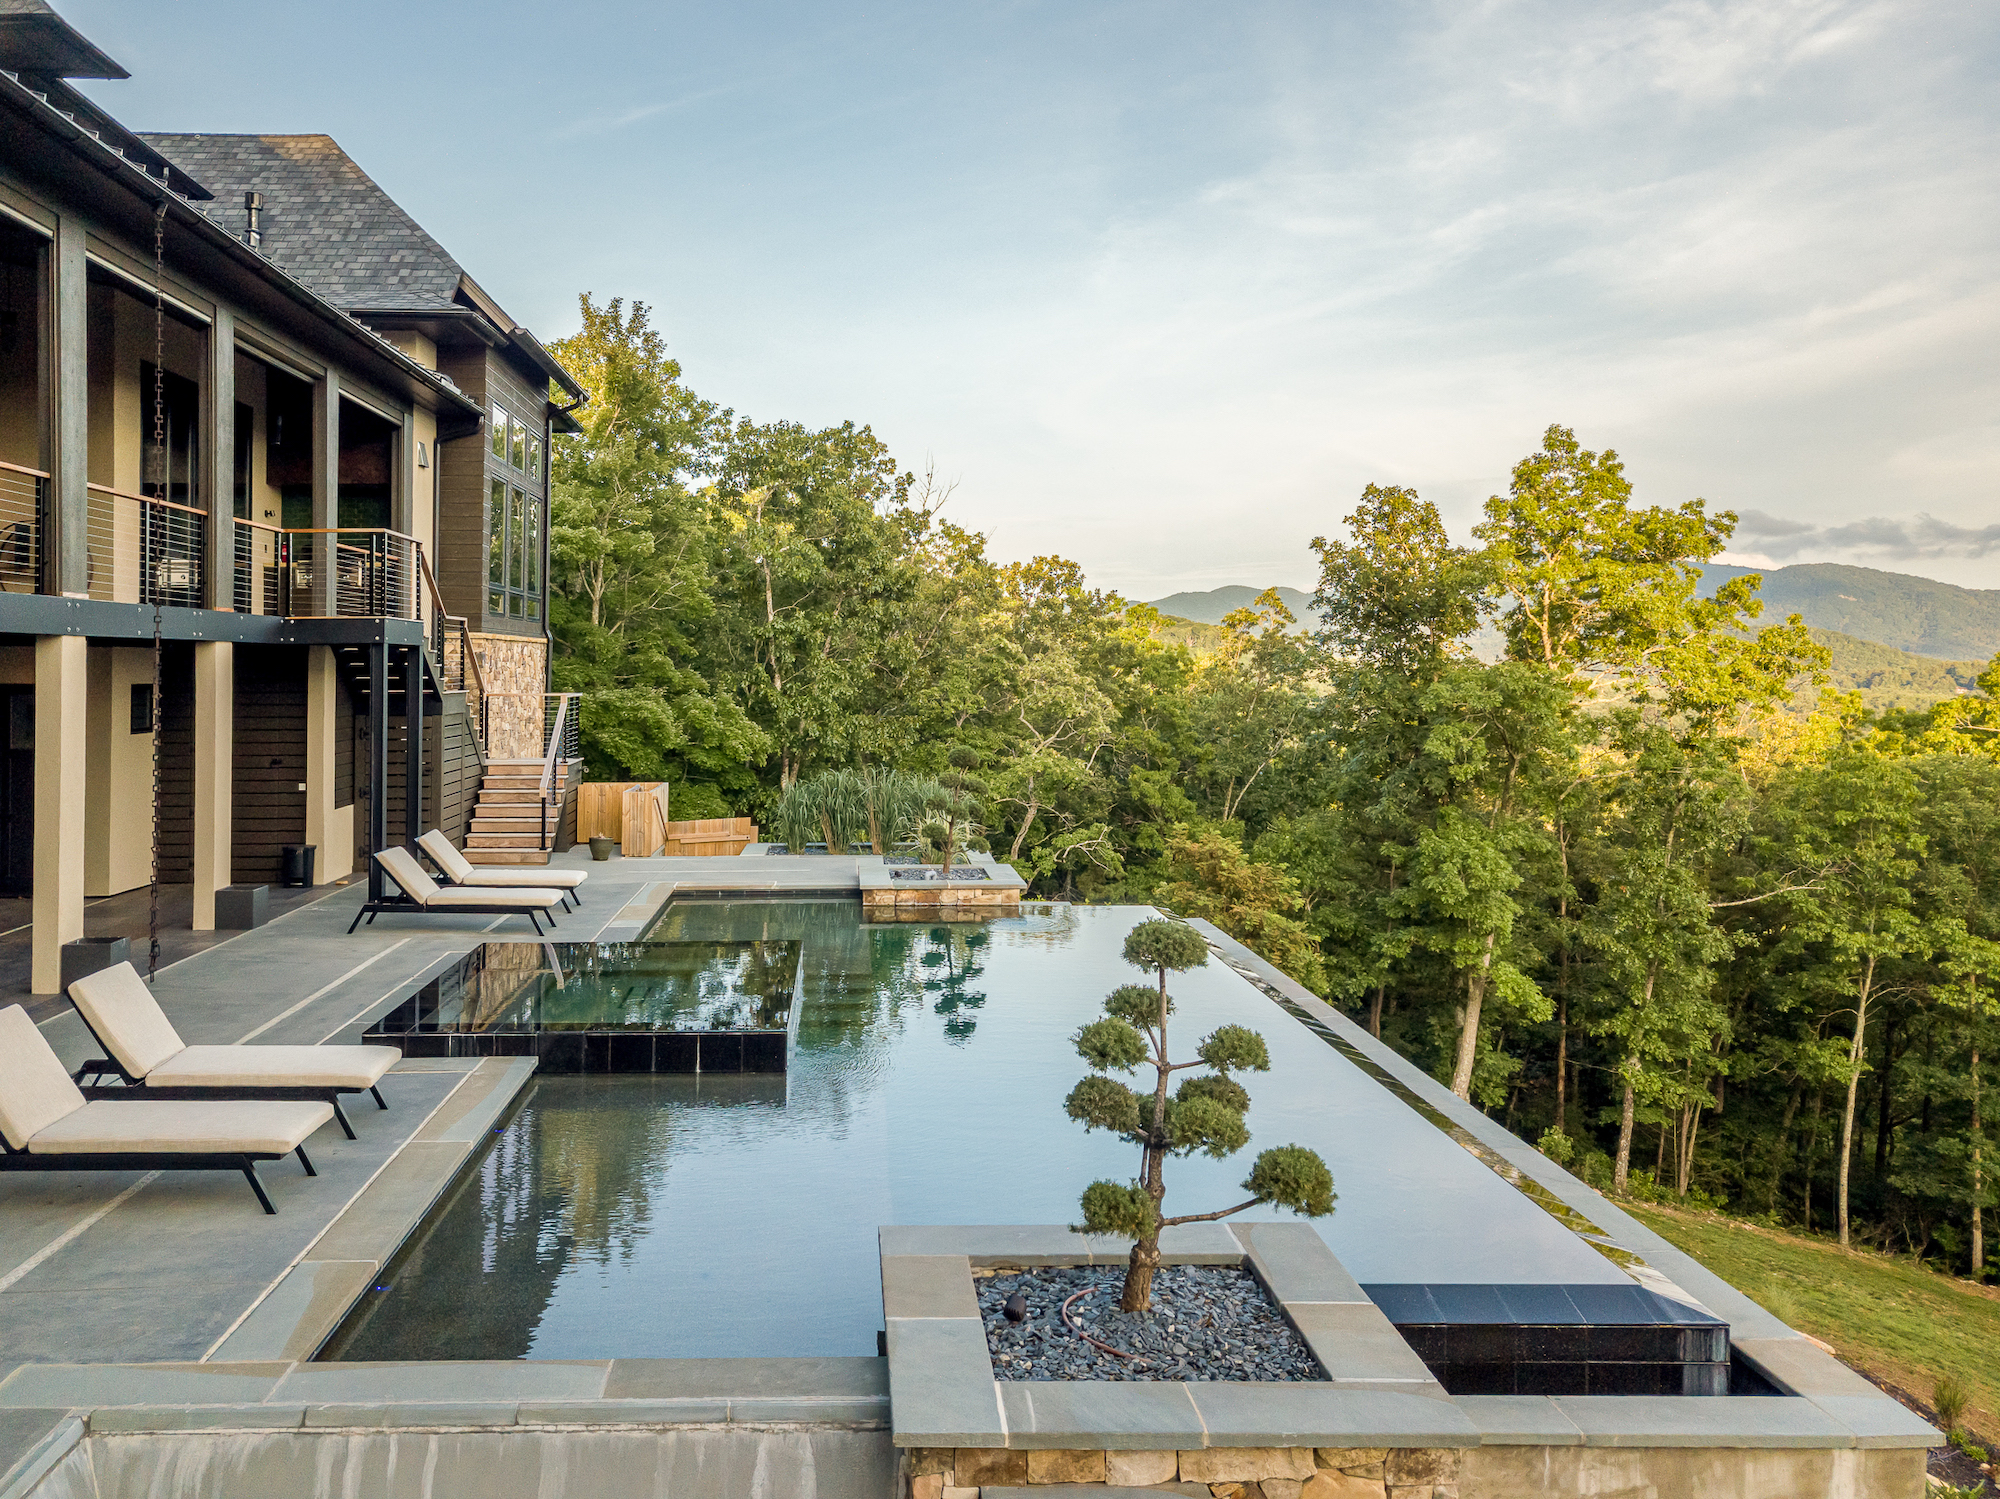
{"type": "Point", "coordinates": [144, 550]}
{"type": "Point", "coordinates": [21, 496]}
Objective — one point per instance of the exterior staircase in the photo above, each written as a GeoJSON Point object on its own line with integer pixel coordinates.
{"type": "Point", "coordinates": [512, 823]}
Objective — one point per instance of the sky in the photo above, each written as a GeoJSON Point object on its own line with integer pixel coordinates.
{"type": "Point", "coordinates": [1160, 286]}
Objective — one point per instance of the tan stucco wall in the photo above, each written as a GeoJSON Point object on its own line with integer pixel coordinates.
{"type": "Point", "coordinates": [331, 827]}
{"type": "Point", "coordinates": [118, 775]}
{"type": "Point", "coordinates": [515, 670]}
{"type": "Point", "coordinates": [61, 692]}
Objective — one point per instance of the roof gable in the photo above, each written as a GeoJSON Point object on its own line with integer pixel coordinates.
{"type": "Point", "coordinates": [324, 219]}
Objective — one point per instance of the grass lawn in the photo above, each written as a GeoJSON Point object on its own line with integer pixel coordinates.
{"type": "Point", "coordinates": [1888, 1317]}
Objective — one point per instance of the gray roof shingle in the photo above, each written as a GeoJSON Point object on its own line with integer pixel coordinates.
{"type": "Point", "coordinates": [324, 219]}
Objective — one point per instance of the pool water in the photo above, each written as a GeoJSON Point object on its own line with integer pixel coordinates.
{"type": "Point", "coordinates": [697, 1216]}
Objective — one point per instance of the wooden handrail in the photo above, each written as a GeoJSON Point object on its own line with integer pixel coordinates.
{"type": "Point", "coordinates": [142, 499]}
{"type": "Point", "coordinates": [15, 468]}
{"type": "Point", "coordinates": [258, 525]}
{"type": "Point", "coordinates": [555, 743]}
{"type": "Point", "coordinates": [464, 625]}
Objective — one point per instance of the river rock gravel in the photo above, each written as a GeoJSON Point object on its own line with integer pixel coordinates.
{"type": "Point", "coordinates": [1205, 1323]}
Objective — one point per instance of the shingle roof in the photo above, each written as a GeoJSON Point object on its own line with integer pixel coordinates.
{"type": "Point", "coordinates": [324, 219]}
{"type": "Point", "coordinates": [34, 39]}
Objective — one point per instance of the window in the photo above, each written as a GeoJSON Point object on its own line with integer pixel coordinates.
{"type": "Point", "coordinates": [517, 546]}
{"type": "Point", "coordinates": [534, 457]}
{"type": "Point", "coordinates": [534, 558]}
{"type": "Point", "coordinates": [520, 446]}
{"type": "Point", "coordinates": [142, 707]}
{"type": "Point", "coordinates": [499, 433]}
{"type": "Point", "coordinates": [496, 550]}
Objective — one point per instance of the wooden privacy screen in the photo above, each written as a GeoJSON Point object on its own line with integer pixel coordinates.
{"type": "Point", "coordinates": [635, 813]}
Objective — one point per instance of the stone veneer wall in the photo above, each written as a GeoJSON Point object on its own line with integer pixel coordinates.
{"type": "Point", "coordinates": [515, 669]}
{"type": "Point", "coordinates": [1498, 1472]}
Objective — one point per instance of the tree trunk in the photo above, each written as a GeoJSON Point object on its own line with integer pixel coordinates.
{"type": "Point", "coordinates": [1562, 1063]}
{"type": "Point", "coordinates": [1034, 807]}
{"type": "Point", "coordinates": [1622, 1169]}
{"type": "Point", "coordinates": [1885, 1100]}
{"type": "Point", "coordinates": [1778, 1150]}
{"type": "Point", "coordinates": [1978, 1215]}
{"type": "Point", "coordinates": [1854, 1056]}
{"type": "Point", "coordinates": [1468, 1035]}
{"type": "Point", "coordinates": [1138, 1292]}
{"type": "Point", "coordinates": [1375, 1012]}
{"type": "Point", "coordinates": [1812, 1155]}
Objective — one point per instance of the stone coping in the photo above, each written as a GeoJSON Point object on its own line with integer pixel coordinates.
{"type": "Point", "coordinates": [289, 1395]}
{"type": "Point", "coordinates": [1378, 1392]}
{"type": "Point", "coordinates": [1796, 1365]}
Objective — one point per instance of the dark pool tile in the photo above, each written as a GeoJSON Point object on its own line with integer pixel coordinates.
{"type": "Point", "coordinates": [561, 1051]}
{"type": "Point", "coordinates": [721, 1053]}
{"type": "Point", "coordinates": [1484, 1343]}
{"type": "Point", "coordinates": [764, 1053]}
{"type": "Point", "coordinates": [629, 1053]}
{"type": "Point", "coordinates": [675, 1052]}
{"type": "Point", "coordinates": [1554, 1344]}
{"type": "Point", "coordinates": [1405, 1304]}
{"type": "Point", "coordinates": [1635, 1379]}
{"type": "Point", "coordinates": [1634, 1345]}
{"type": "Point", "coordinates": [1552, 1378]}
{"type": "Point", "coordinates": [1546, 1305]}
{"type": "Point", "coordinates": [1429, 1343]}
{"type": "Point", "coordinates": [1479, 1378]}
{"type": "Point", "coordinates": [1614, 1305]}
{"type": "Point", "coordinates": [1461, 1305]}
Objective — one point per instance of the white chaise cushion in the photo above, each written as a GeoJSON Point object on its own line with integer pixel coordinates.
{"type": "Point", "coordinates": [464, 872]}
{"type": "Point", "coordinates": [126, 1018]}
{"type": "Point", "coordinates": [354, 1067]}
{"type": "Point", "coordinates": [35, 1092]}
{"type": "Point", "coordinates": [489, 899]}
{"type": "Point", "coordinates": [408, 874]}
{"type": "Point", "coordinates": [182, 1127]}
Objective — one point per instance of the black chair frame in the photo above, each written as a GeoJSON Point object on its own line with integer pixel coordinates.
{"type": "Point", "coordinates": [373, 908]}
{"type": "Point", "coordinates": [571, 900]}
{"type": "Point", "coordinates": [154, 1160]}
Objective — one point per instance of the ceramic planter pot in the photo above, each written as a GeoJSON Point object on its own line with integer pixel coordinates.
{"type": "Point", "coordinates": [600, 848]}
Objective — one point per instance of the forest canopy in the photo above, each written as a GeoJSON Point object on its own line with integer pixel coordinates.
{"type": "Point", "coordinates": [1641, 888]}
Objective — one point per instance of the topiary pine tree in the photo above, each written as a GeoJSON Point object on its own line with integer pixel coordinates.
{"type": "Point", "coordinates": [1204, 1113]}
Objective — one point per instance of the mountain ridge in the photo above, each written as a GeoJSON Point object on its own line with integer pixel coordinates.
{"type": "Point", "coordinates": [1919, 616]}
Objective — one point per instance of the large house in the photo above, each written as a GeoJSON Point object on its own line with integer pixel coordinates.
{"type": "Point", "coordinates": [247, 401]}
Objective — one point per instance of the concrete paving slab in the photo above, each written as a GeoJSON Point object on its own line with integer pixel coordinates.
{"type": "Point", "coordinates": [1519, 1420]}
{"type": "Point", "coordinates": [490, 1092]}
{"type": "Point", "coordinates": [1303, 1415]}
{"type": "Point", "coordinates": [23, 1432]}
{"type": "Point", "coordinates": [1356, 1342]}
{"type": "Point", "coordinates": [682, 1378]}
{"type": "Point", "coordinates": [690, 1412]}
{"type": "Point", "coordinates": [827, 1411]}
{"type": "Point", "coordinates": [395, 1202]}
{"type": "Point", "coordinates": [22, 1473]}
{"type": "Point", "coordinates": [441, 1383]}
{"type": "Point", "coordinates": [403, 1414]}
{"type": "Point", "coordinates": [1295, 1263]}
{"type": "Point", "coordinates": [89, 1386]}
{"type": "Point", "coordinates": [941, 1384]}
{"type": "Point", "coordinates": [1876, 1421]}
{"type": "Point", "coordinates": [126, 1419]}
{"type": "Point", "coordinates": [928, 1285]}
{"type": "Point", "coordinates": [1698, 1421]}
{"type": "Point", "coordinates": [113, 1324]}
{"type": "Point", "coordinates": [293, 1319]}
{"type": "Point", "coordinates": [1134, 1415]}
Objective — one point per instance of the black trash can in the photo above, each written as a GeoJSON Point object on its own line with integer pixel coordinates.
{"type": "Point", "coordinates": [299, 863]}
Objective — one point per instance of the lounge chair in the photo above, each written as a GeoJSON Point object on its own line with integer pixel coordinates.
{"type": "Point", "coordinates": [141, 1048]}
{"type": "Point", "coordinates": [46, 1124]}
{"type": "Point", "coordinates": [462, 871]}
{"type": "Point", "coordinates": [421, 893]}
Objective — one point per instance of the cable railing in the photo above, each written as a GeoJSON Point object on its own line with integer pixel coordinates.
{"type": "Point", "coordinates": [350, 572]}
{"type": "Point", "coordinates": [143, 550]}
{"type": "Point", "coordinates": [561, 738]}
{"type": "Point", "coordinates": [22, 491]}
{"type": "Point", "coordinates": [450, 640]}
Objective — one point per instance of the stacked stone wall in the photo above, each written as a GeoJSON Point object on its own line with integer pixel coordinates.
{"type": "Point", "coordinates": [515, 669]}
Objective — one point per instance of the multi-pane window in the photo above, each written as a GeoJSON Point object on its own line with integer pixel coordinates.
{"type": "Point", "coordinates": [534, 549]}
{"type": "Point", "coordinates": [520, 446]}
{"type": "Point", "coordinates": [496, 550]}
{"type": "Point", "coordinates": [517, 569]}
{"type": "Point", "coordinates": [499, 433]}
{"type": "Point", "coordinates": [534, 457]}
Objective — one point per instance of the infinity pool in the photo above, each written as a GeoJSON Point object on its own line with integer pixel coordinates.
{"type": "Point", "coordinates": [700, 1216]}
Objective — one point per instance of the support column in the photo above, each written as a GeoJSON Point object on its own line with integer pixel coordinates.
{"type": "Point", "coordinates": [323, 824]}
{"type": "Point", "coordinates": [64, 538]}
{"type": "Point", "coordinates": [219, 565]}
{"type": "Point", "coordinates": [378, 762]}
{"type": "Point", "coordinates": [61, 689]}
{"type": "Point", "coordinates": [214, 749]}
{"type": "Point", "coordinates": [325, 489]}
{"type": "Point", "coordinates": [413, 746]}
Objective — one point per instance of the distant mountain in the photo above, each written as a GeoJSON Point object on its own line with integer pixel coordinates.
{"type": "Point", "coordinates": [1208, 608]}
{"type": "Point", "coordinates": [1919, 615]}
{"type": "Point", "coordinates": [1889, 678]}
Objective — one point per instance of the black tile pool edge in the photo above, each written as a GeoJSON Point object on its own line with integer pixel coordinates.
{"type": "Point", "coordinates": [588, 1051]}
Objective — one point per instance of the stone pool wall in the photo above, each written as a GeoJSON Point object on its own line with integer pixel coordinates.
{"type": "Point", "coordinates": [1500, 1472]}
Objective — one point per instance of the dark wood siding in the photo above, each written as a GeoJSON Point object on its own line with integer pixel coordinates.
{"type": "Point", "coordinates": [453, 769]}
{"type": "Point", "coordinates": [176, 838]}
{"type": "Point", "coordinates": [267, 809]}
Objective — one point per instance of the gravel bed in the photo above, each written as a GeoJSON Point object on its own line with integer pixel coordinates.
{"type": "Point", "coordinates": [1206, 1323]}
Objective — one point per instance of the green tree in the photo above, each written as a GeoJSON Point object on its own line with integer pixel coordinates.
{"type": "Point", "coordinates": [1398, 595]}
{"type": "Point", "coordinates": [1204, 1113]}
{"type": "Point", "coordinates": [1209, 876]}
